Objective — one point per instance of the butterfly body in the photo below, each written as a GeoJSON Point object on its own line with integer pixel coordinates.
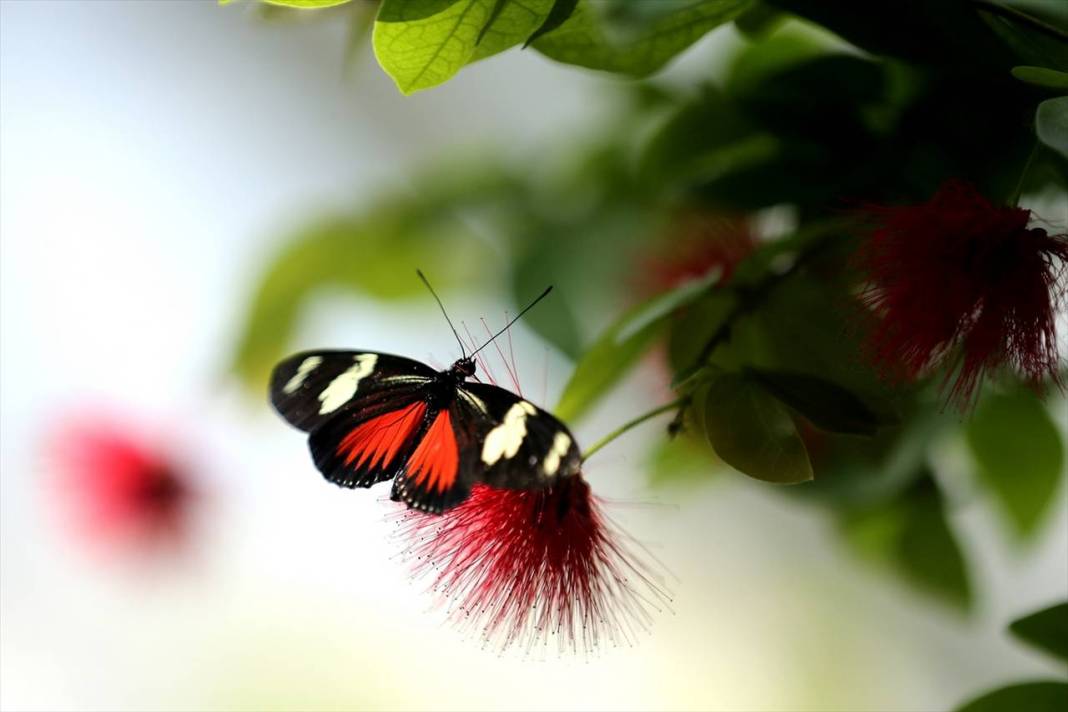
{"type": "Point", "coordinates": [372, 417]}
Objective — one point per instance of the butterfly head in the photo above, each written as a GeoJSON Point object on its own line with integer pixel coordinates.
{"type": "Point", "coordinates": [463, 368]}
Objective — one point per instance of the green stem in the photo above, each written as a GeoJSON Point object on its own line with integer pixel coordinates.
{"type": "Point", "coordinates": [632, 424]}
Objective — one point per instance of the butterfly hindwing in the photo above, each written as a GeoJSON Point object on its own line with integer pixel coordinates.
{"type": "Point", "coordinates": [519, 446]}
{"type": "Point", "coordinates": [310, 388]}
{"type": "Point", "coordinates": [445, 463]}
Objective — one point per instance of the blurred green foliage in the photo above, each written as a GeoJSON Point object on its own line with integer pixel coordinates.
{"type": "Point", "coordinates": [1019, 455]}
{"type": "Point", "coordinates": [1030, 696]}
{"type": "Point", "coordinates": [822, 109]}
{"type": "Point", "coordinates": [1046, 629]}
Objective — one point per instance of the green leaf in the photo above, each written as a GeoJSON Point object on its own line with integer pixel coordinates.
{"type": "Point", "coordinates": [1051, 124]}
{"type": "Point", "coordinates": [758, 21]}
{"type": "Point", "coordinates": [305, 4]}
{"type": "Point", "coordinates": [1047, 629]}
{"type": "Point", "coordinates": [514, 23]}
{"type": "Point", "coordinates": [423, 43]}
{"type": "Point", "coordinates": [752, 432]}
{"type": "Point", "coordinates": [562, 9]}
{"type": "Point", "coordinates": [911, 534]}
{"type": "Point", "coordinates": [619, 347]}
{"type": "Point", "coordinates": [583, 40]}
{"type": "Point", "coordinates": [1029, 696]}
{"type": "Point", "coordinates": [826, 404]}
{"type": "Point", "coordinates": [1042, 77]}
{"type": "Point", "coordinates": [1037, 40]}
{"type": "Point", "coordinates": [1019, 455]}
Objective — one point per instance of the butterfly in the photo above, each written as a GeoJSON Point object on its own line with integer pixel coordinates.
{"type": "Point", "coordinates": [373, 416]}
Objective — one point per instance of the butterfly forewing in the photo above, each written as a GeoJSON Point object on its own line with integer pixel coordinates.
{"type": "Point", "coordinates": [310, 388]}
{"type": "Point", "coordinates": [364, 446]}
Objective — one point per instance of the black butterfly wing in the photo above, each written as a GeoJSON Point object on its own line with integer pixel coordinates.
{"type": "Point", "coordinates": [310, 388]}
{"type": "Point", "coordinates": [519, 445]}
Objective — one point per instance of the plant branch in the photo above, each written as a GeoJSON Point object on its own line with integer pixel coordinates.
{"type": "Point", "coordinates": [749, 298]}
{"type": "Point", "coordinates": [632, 424]}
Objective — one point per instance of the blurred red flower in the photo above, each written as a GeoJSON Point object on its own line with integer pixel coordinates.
{"type": "Point", "coordinates": [960, 277]}
{"type": "Point", "coordinates": [118, 487]}
{"type": "Point", "coordinates": [694, 243]}
{"type": "Point", "coordinates": [526, 566]}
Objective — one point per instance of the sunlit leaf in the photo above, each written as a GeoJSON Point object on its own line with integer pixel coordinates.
{"type": "Point", "coordinates": [1029, 696]}
{"type": "Point", "coordinates": [513, 24]}
{"type": "Point", "coordinates": [911, 535]}
{"type": "Point", "coordinates": [1051, 124]}
{"type": "Point", "coordinates": [752, 432]}
{"type": "Point", "coordinates": [826, 404]}
{"type": "Point", "coordinates": [1046, 629]}
{"type": "Point", "coordinates": [1019, 455]}
{"type": "Point", "coordinates": [619, 347]}
{"type": "Point", "coordinates": [583, 40]}
{"type": "Point", "coordinates": [422, 43]}
{"type": "Point", "coordinates": [562, 9]}
{"type": "Point", "coordinates": [306, 4]}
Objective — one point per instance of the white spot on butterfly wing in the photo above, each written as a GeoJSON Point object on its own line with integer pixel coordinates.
{"type": "Point", "coordinates": [303, 370]}
{"type": "Point", "coordinates": [343, 387]}
{"type": "Point", "coordinates": [561, 444]}
{"type": "Point", "coordinates": [505, 439]}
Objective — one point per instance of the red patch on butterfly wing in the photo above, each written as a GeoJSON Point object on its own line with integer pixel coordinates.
{"type": "Point", "coordinates": [434, 463]}
{"type": "Point", "coordinates": [376, 442]}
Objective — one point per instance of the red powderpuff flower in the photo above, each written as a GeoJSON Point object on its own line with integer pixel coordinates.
{"type": "Point", "coordinates": [959, 273]}
{"type": "Point", "coordinates": [695, 243]}
{"type": "Point", "coordinates": [119, 488]}
{"type": "Point", "coordinates": [526, 566]}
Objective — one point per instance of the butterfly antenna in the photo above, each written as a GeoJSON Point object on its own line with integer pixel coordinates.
{"type": "Point", "coordinates": [515, 319]}
{"type": "Point", "coordinates": [422, 276]}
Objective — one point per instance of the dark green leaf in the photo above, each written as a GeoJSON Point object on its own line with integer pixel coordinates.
{"type": "Point", "coordinates": [1025, 697]}
{"type": "Point", "coordinates": [1019, 455]}
{"type": "Point", "coordinates": [826, 404]}
{"type": "Point", "coordinates": [758, 20]}
{"type": "Point", "coordinates": [1034, 39]}
{"type": "Point", "coordinates": [562, 9]}
{"type": "Point", "coordinates": [619, 347]}
{"type": "Point", "coordinates": [751, 431]}
{"type": "Point", "coordinates": [1047, 629]}
{"type": "Point", "coordinates": [1042, 77]}
{"type": "Point", "coordinates": [1051, 124]}
{"type": "Point", "coordinates": [911, 535]}
{"type": "Point", "coordinates": [583, 40]}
